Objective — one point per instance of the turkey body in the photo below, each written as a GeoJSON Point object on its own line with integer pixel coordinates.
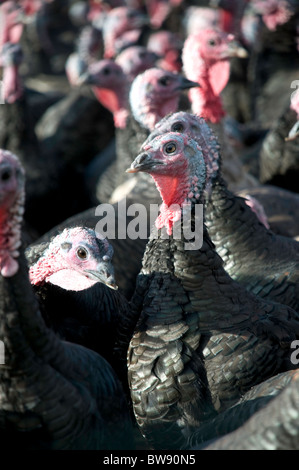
{"type": "Point", "coordinates": [54, 394]}
{"type": "Point", "coordinates": [265, 263]}
{"type": "Point", "coordinates": [209, 340]}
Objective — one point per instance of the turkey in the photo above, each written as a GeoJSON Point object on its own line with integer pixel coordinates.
{"type": "Point", "coordinates": [153, 95]}
{"type": "Point", "coordinates": [73, 279]}
{"type": "Point", "coordinates": [78, 127]}
{"type": "Point", "coordinates": [168, 46]}
{"type": "Point", "coordinates": [47, 38]}
{"type": "Point", "coordinates": [110, 85]}
{"type": "Point", "coordinates": [54, 394]}
{"type": "Point", "coordinates": [206, 58]}
{"type": "Point", "coordinates": [227, 16]}
{"type": "Point", "coordinates": [136, 109]}
{"type": "Point", "coordinates": [43, 183]}
{"type": "Point", "coordinates": [265, 263]}
{"type": "Point", "coordinates": [135, 60]}
{"type": "Point", "coordinates": [89, 49]}
{"type": "Point", "coordinates": [122, 26]}
{"type": "Point", "coordinates": [274, 427]}
{"type": "Point", "coordinates": [201, 340]}
{"type": "Point", "coordinates": [128, 251]}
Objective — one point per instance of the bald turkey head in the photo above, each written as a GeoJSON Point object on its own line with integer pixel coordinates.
{"type": "Point", "coordinates": [206, 58]}
{"type": "Point", "coordinates": [197, 128]}
{"type": "Point", "coordinates": [168, 46]}
{"type": "Point", "coordinates": [135, 60]}
{"type": "Point", "coordinates": [176, 163]}
{"type": "Point", "coordinates": [110, 86]}
{"type": "Point", "coordinates": [75, 260]}
{"type": "Point", "coordinates": [117, 24]}
{"type": "Point", "coordinates": [155, 93]}
{"type": "Point", "coordinates": [274, 12]}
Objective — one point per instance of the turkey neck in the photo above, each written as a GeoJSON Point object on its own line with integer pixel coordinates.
{"type": "Point", "coordinates": [168, 339]}
{"type": "Point", "coordinates": [174, 259]}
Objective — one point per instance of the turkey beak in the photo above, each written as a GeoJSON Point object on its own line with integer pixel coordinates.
{"type": "Point", "coordinates": [104, 274]}
{"type": "Point", "coordinates": [236, 50]}
{"type": "Point", "coordinates": [294, 133]}
{"type": "Point", "coordinates": [185, 84]}
{"type": "Point", "coordinates": [143, 162]}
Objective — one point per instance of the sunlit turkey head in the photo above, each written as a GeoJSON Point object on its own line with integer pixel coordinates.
{"type": "Point", "coordinates": [206, 59]}
{"type": "Point", "coordinates": [76, 259]}
{"type": "Point", "coordinates": [197, 128]}
{"type": "Point", "coordinates": [176, 163]}
{"type": "Point", "coordinates": [155, 93]}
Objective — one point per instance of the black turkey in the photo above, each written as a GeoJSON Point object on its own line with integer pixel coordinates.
{"type": "Point", "coordinates": [201, 339]}
{"type": "Point", "coordinates": [136, 108]}
{"type": "Point", "coordinates": [73, 279]}
{"type": "Point", "coordinates": [265, 263]}
{"type": "Point", "coordinates": [50, 179]}
{"type": "Point", "coordinates": [54, 394]}
{"type": "Point", "coordinates": [206, 59]}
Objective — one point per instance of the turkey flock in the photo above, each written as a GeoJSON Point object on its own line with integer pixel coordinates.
{"type": "Point", "coordinates": [149, 225]}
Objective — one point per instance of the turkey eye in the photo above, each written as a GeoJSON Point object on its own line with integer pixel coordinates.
{"type": "Point", "coordinates": [177, 127]}
{"type": "Point", "coordinates": [6, 175]}
{"type": "Point", "coordinates": [212, 42]}
{"type": "Point", "coordinates": [82, 253]}
{"type": "Point", "coordinates": [170, 148]}
{"type": "Point", "coordinates": [106, 71]}
{"type": "Point", "coordinates": [164, 81]}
